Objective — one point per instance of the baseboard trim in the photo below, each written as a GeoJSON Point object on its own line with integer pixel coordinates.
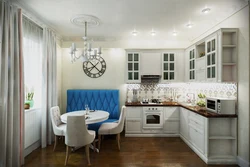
{"type": "Point", "coordinates": [31, 148]}
{"type": "Point", "coordinates": [152, 135]}
{"type": "Point", "coordinates": [242, 163]}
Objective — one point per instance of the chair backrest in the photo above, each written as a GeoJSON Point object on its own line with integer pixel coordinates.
{"type": "Point", "coordinates": [55, 116]}
{"type": "Point", "coordinates": [121, 121]}
{"type": "Point", "coordinates": [107, 100]}
{"type": "Point", "coordinates": [76, 132]}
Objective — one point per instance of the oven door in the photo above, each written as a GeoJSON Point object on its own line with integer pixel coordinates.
{"type": "Point", "coordinates": [153, 120]}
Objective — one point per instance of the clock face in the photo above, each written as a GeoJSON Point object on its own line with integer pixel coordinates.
{"type": "Point", "coordinates": [94, 68]}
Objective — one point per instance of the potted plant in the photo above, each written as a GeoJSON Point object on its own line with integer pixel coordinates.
{"type": "Point", "coordinates": [201, 101]}
{"type": "Point", "coordinates": [29, 97]}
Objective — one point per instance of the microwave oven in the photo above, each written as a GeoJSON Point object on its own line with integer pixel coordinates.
{"type": "Point", "coordinates": [221, 105]}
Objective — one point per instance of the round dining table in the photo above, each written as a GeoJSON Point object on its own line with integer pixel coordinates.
{"type": "Point", "coordinates": [94, 116]}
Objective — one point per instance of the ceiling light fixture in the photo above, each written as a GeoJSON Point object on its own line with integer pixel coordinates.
{"type": "Point", "coordinates": [189, 25]}
{"type": "Point", "coordinates": [153, 32]}
{"type": "Point", "coordinates": [88, 53]}
{"type": "Point", "coordinates": [174, 33]}
{"type": "Point", "coordinates": [134, 33]}
{"type": "Point", "coordinates": [206, 10]}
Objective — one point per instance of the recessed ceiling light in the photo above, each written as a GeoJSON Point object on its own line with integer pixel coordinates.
{"type": "Point", "coordinates": [134, 33]}
{"type": "Point", "coordinates": [153, 32]}
{"type": "Point", "coordinates": [174, 33]}
{"type": "Point", "coordinates": [206, 10]}
{"type": "Point", "coordinates": [189, 25]}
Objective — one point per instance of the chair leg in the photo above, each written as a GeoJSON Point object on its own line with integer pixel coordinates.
{"type": "Point", "coordinates": [94, 145]}
{"type": "Point", "coordinates": [118, 141]}
{"type": "Point", "coordinates": [99, 142]}
{"type": "Point", "coordinates": [56, 138]}
{"type": "Point", "coordinates": [67, 155]}
{"type": "Point", "coordinates": [87, 154]}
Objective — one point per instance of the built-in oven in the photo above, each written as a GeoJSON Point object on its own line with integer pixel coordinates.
{"type": "Point", "coordinates": [152, 117]}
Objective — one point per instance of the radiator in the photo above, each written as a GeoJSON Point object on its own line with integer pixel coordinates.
{"type": "Point", "coordinates": [32, 127]}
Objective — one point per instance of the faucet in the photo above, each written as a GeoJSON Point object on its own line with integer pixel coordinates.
{"type": "Point", "coordinates": [193, 100]}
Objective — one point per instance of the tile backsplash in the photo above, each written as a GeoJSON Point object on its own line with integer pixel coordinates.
{"type": "Point", "coordinates": [180, 91]}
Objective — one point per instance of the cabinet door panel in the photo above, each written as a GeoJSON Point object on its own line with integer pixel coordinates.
{"type": "Point", "coordinates": [171, 126]}
{"type": "Point", "coordinates": [133, 126]}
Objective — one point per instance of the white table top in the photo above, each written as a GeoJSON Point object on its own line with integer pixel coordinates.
{"type": "Point", "coordinates": [94, 117]}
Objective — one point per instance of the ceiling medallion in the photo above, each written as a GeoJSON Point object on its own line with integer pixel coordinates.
{"type": "Point", "coordinates": [80, 20]}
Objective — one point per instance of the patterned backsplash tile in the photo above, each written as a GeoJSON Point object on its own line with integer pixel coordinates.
{"type": "Point", "coordinates": [180, 91]}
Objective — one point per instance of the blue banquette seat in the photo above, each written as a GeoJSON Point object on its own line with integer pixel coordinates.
{"type": "Point", "coordinates": [107, 100]}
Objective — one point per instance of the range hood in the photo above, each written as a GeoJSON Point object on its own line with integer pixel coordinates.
{"type": "Point", "coordinates": [150, 78]}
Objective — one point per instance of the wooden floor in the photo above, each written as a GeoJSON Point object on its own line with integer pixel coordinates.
{"type": "Point", "coordinates": [135, 152]}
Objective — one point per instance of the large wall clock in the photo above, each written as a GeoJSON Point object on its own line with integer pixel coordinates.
{"type": "Point", "coordinates": [94, 68]}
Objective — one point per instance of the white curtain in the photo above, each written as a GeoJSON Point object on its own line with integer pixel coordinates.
{"type": "Point", "coordinates": [32, 55]}
{"type": "Point", "coordinates": [11, 86]}
{"type": "Point", "coordinates": [49, 84]}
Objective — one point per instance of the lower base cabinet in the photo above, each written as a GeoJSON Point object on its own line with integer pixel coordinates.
{"type": "Point", "coordinates": [133, 126]}
{"type": "Point", "coordinates": [214, 140]}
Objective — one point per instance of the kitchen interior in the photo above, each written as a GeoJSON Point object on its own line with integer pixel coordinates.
{"type": "Point", "coordinates": [191, 83]}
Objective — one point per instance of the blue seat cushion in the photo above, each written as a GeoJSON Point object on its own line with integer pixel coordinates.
{"type": "Point", "coordinates": [96, 126]}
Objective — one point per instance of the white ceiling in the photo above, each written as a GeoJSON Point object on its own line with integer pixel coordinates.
{"type": "Point", "coordinates": [120, 17]}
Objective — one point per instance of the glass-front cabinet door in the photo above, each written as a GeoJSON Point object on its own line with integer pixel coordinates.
{"type": "Point", "coordinates": [192, 64]}
{"type": "Point", "coordinates": [133, 67]}
{"type": "Point", "coordinates": [168, 67]}
{"type": "Point", "coordinates": [211, 59]}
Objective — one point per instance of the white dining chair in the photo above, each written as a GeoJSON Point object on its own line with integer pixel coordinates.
{"type": "Point", "coordinates": [78, 135]}
{"type": "Point", "coordinates": [110, 128]}
{"type": "Point", "coordinates": [59, 128]}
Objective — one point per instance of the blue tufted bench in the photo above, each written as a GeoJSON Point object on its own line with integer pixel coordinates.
{"type": "Point", "coordinates": [107, 100]}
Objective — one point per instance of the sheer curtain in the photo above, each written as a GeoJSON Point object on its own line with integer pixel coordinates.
{"type": "Point", "coordinates": [32, 55]}
{"type": "Point", "coordinates": [11, 86]}
{"type": "Point", "coordinates": [49, 83]}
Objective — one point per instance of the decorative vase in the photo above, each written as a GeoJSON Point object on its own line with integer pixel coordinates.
{"type": "Point", "coordinates": [26, 106]}
{"type": "Point", "coordinates": [30, 102]}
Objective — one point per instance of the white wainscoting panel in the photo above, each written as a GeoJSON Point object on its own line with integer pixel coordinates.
{"type": "Point", "coordinates": [32, 130]}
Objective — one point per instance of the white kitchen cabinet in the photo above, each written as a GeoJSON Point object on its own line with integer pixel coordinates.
{"type": "Point", "coordinates": [211, 58]}
{"type": "Point", "coordinates": [221, 57]}
{"type": "Point", "coordinates": [200, 69]}
{"type": "Point", "coordinates": [192, 64]}
{"type": "Point", "coordinates": [133, 67]}
{"type": "Point", "coordinates": [184, 123]}
{"type": "Point", "coordinates": [168, 66]}
{"type": "Point", "coordinates": [228, 51]}
{"type": "Point", "coordinates": [171, 120]}
{"type": "Point", "coordinates": [222, 135]}
{"type": "Point", "coordinates": [197, 131]}
{"type": "Point", "coordinates": [133, 120]}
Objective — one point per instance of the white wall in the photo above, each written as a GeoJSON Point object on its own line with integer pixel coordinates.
{"type": "Point", "coordinates": [73, 76]}
{"type": "Point", "coordinates": [240, 20]}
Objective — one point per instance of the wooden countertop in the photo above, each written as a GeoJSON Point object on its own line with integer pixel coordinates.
{"type": "Point", "coordinates": [196, 109]}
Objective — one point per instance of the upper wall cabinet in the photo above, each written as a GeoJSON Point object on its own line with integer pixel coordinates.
{"type": "Point", "coordinates": [192, 64]}
{"type": "Point", "coordinates": [228, 49]}
{"type": "Point", "coordinates": [168, 67]}
{"type": "Point", "coordinates": [172, 66]}
{"type": "Point", "coordinates": [211, 57]}
{"type": "Point", "coordinates": [133, 67]}
{"type": "Point", "coordinates": [215, 57]}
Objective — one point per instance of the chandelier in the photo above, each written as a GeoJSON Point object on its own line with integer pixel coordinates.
{"type": "Point", "coordinates": [89, 53]}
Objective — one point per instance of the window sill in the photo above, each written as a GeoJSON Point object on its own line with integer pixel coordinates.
{"type": "Point", "coordinates": [32, 109]}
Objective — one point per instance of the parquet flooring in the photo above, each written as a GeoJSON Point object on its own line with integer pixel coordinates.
{"type": "Point", "coordinates": [135, 152]}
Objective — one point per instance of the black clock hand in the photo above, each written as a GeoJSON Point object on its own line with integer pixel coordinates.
{"type": "Point", "coordinates": [94, 66]}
